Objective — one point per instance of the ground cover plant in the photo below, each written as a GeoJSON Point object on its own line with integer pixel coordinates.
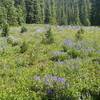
{"type": "Point", "coordinates": [42, 62]}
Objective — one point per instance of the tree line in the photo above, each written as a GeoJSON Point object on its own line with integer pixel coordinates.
{"type": "Point", "coordinates": [61, 12]}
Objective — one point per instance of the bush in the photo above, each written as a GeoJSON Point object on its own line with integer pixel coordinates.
{"type": "Point", "coordinates": [79, 34]}
{"type": "Point", "coordinates": [33, 55]}
{"type": "Point", "coordinates": [52, 86]}
{"type": "Point", "coordinates": [5, 30]}
{"type": "Point", "coordinates": [48, 39]}
{"type": "Point", "coordinates": [23, 47]}
{"type": "Point", "coordinates": [73, 53]}
{"type": "Point", "coordinates": [13, 41]}
{"type": "Point", "coordinates": [23, 29]}
{"type": "Point", "coordinates": [96, 60]}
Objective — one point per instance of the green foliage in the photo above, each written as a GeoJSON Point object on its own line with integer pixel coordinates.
{"type": "Point", "coordinates": [48, 39]}
{"type": "Point", "coordinates": [34, 14]}
{"type": "Point", "coordinates": [95, 11]}
{"type": "Point", "coordinates": [13, 41]}
{"type": "Point", "coordinates": [74, 53]}
{"type": "Point", "coordinates": [5, 30]}
{"type": "Point", "coordinates": [62, 12]}
{"type": "Point", "coordinates": [21, 18]}
{"type": "Point", "coordinates": [23, 47]}
{"type": "Point", "coordinates": [59, 56]}
{"type": "Point", "coordinates": [23, 29]}
{"type": "Point", "coordinates": [79, 34]}
{"type": "Point", "coordinates": [3, 15]}
{"type": "Point", "coordinates": [32, 70]}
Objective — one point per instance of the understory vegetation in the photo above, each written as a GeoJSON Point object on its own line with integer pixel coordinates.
{"type": "Point", "coordinates": [43, 62]}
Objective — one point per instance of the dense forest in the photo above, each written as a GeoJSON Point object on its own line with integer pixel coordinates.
{"type": "Point", "coordinates": [62, 12]}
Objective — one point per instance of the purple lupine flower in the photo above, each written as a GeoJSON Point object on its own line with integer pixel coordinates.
{"type": "Point", "coordinates": [69, 43]}
{"type": "Point", "coordinates": [50, 80]}
{"type": "Point", "coordinates": [57, 53]}
{"type": "Point", "coordinates": [61, 80]}
{"type": "Point", "coordinates": [50, 92]}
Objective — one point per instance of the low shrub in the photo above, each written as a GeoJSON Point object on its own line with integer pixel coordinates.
{"type": "Point", "coordinates": [73, 53]}
{"type": "Point", "coordinates": [23, 29]}
{"type": "Point", "coordinates": [79, 34]}
{"type": "Point", "coordinates": [23, 47]}
{"type": "Point", "coordinates": [50, 86]}
{"type": "Point", "coordinates": [48, 38]}
{"type": "Point", "coordinates": [5, 30]}
{"type": "Point", "coordinates": [13, 41]}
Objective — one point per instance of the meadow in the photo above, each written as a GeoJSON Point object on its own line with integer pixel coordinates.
{"type": "Point", "coordinates": [43, 62]}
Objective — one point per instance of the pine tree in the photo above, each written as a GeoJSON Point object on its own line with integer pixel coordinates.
{"type": "Point", "coordinates": [84, 15]}
{"type": "Point", "coordinates": [21, 11]}
{"type": "Point", "coordinates": [76, 13]}
{"type": "Point", "coordinates": [11, 11]}
{"type": "Point", "coordinates": [29, 11]}
{"type": "Point", "coordinates": [3, 16]}
{"type": "Point", "coordinates": [41, 11]}
{"type": "Point", "coordinates": [53, 12]}
{"type": "Point", "coordinates": [5, 30]}
{"type": "Point", "coordinates": [95, 12]}
{"type": "Point", "coordinates": [47, 11]}
{"type": "Point", "coordinates": [62, 12]}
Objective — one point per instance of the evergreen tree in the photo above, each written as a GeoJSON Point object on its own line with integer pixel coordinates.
{"type": "Point", "coordinates": [33, 11]}
{"type": "Point", "coordinates": [84, 15]}
{"type": "Point", "coordinates": [47, 11]}
{"type": "Point", "coordinates": [48, 39]}
{"type": "Point", "coordinates": [3, 16]}
{"type": "Point", "coordinates": [76, 13]}
{"type": "Point", "coordinates": [11, 11]}
{"type": "Point", "coordinates": [95, 12]}
{"type": "Point", "coordinates": [29, 11]}
{"type": "Point", "coordinates": [5, 30]}
{"type": "Point", "coordinates": [53, 12]}
{"type": "Point", "coordinates": [62, 12]}
{"type": "Point", "coordinates": [41, 11]}
{"type": "Point", "coordinates": [21, 11]}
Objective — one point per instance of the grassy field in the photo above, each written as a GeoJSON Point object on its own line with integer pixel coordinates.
{"type": "Point", "coordinates": [67, 68]}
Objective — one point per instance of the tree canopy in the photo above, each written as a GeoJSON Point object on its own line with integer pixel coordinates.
{"type": "Point", "coordinates": [62, 12]}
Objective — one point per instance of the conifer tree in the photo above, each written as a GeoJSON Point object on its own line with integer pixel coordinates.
{"type": "Point", "coordinates": [3, 16]}
{"type": "Point", "coordinates": [21, 11]}
{"type": "Point", "coordinates": [62, 12]}
{"type": "Point", "coordinates": [53, 12]}
{"type": "Point", "coordinates": [47, 11]}
{"type": "Point", "coordinates": [84, 16]}
{"type": "Point", "coordinates": [41, 11]}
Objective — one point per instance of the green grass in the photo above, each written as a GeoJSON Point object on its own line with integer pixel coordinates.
{"type": "Point", "coordinates": [17, 70]}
